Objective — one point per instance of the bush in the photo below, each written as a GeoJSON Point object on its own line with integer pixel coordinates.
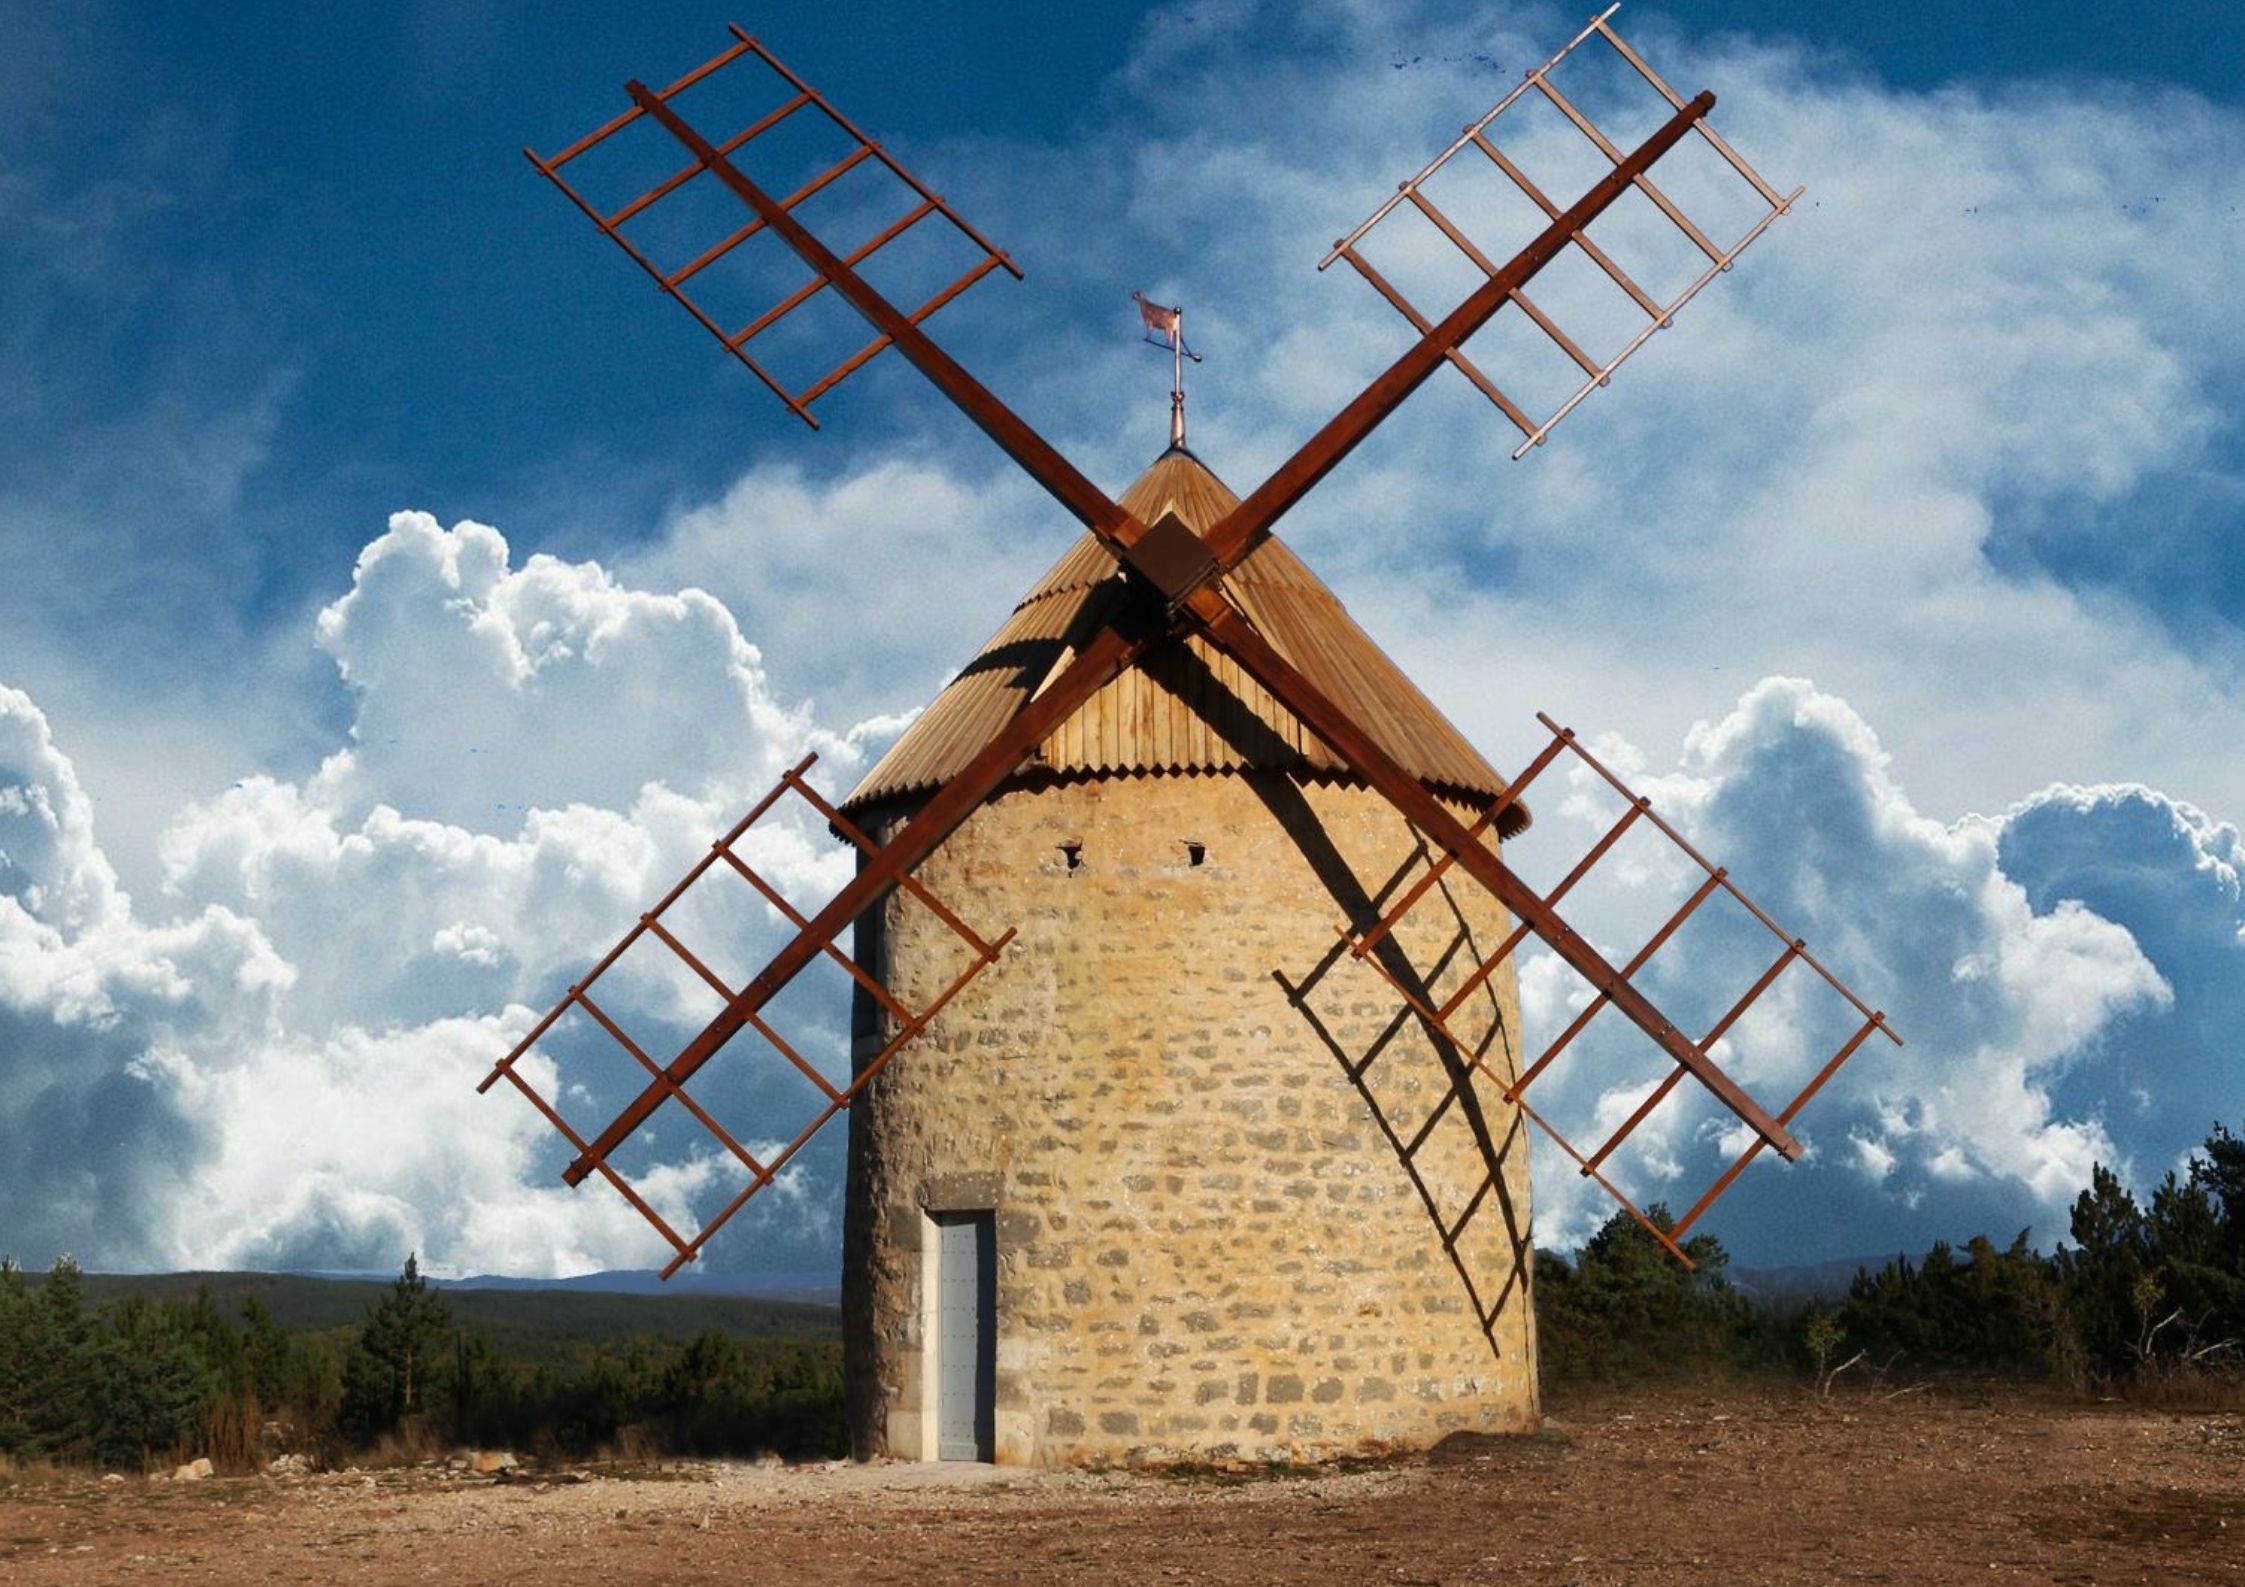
{"type": "Point", "coordinates": [1625, 1309]}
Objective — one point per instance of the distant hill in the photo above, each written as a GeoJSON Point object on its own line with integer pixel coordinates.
{"type": "Point", "coordinates": [617, 1306]}
{"type": "Point", "coordinates": [1780, 1288]}
{"type": "Point", "coordinates": [527, 1318]}
{"type": "Point", "coordinates": [816, 1288]}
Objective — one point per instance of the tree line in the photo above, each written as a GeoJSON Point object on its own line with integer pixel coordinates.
{"type": "Point", "coordinates": [2150, 1291]}
{"type": "Point", "coordinates": [2145, 1292]}
{"type": "Point", "coordinates": [140, 1383]}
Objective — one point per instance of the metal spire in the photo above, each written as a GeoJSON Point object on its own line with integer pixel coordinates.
{"type": "Point", "coordinates": [1177, 384]}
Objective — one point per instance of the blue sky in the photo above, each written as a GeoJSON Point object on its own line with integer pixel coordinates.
{"type": "Point", "coordinates": [1957, 445]}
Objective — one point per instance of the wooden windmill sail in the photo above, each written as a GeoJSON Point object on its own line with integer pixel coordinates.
{"type": "Point", "coordinates": [1179, 635]}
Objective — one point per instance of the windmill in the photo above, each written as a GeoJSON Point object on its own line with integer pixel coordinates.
{"type": "Point", "coordinates": [1191, 1174]}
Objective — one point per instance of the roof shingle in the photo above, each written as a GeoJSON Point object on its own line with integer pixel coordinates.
{"type": "Point", "coordinates": [1185, 706]}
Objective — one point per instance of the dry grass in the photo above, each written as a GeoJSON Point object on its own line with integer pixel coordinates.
{"type": "Point", "coordinates": [14, 1471]}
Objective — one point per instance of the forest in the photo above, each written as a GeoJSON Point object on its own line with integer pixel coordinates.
{"type": "Point", "coordinates": [2141, 1296]}
{"type": "Point", "coordinates": [2143, 1299]}
{"type": "Point", "coordinates": [142, 1380]}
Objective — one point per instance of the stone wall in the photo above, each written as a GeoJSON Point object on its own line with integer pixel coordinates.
{"type": "Point", "coordinates": [1246, 1205]}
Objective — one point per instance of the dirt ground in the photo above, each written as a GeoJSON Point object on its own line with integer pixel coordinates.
{"type": "Point", "coordinates": [1734, 1487]}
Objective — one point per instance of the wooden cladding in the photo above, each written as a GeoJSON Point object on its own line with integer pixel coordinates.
{"type": "Point", "coordinates": [1187, 707]}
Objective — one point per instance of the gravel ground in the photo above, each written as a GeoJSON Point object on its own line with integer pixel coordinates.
{"type": "Point", "coordinates": [1731, 1487]}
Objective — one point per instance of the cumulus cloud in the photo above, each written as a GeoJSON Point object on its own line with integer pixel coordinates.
{"type": "Point", "coordinates": [330, 959]}
{"type": "Point", "coordinates": [2172, 873]}
{"type": "Point", "coordinates": [90, 998]}
{"type": "Point", "coordinates": [2004, 995]}
{"type": "Point", "coordinates": [282, 1074]}
{"type": "Point", "coordinates": [482, 689]}
{"type": "Point", "coordinates": [866, 585]}
{"type": "Point", "coordinates": [1920, 447]}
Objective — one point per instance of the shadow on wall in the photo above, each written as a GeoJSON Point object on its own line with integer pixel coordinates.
{"type": "Point", "coordinates": [1442, 1134]}
{"type": "Point", "coordinates": [1430, 1098]}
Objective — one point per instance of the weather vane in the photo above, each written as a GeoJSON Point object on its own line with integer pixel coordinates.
{"type": "Point", "coordinates": [1166, 328]}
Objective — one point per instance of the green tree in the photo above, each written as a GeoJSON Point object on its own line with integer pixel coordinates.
{"type": "Point", "coordinates": [268, 1355]}
{"type": "Point", "coordinates": [1822, 1336]}
{"type": "Point", "coordinates": [214, 1339]}
{"type": "Point", "coordinates": [18, 1319]}
{"type": "Point", "coordinates": [150, 1385]}
{"type": "Point", "coordinates": [1627, 1308]}
{"type": "Point", "coordinates": [2218, 1168]}
{"type": "Point", "coordinates": [399, 1360]}
{"type": "Point", "coordinates": [2109, 1256]}
{"type": "Point", "coordinates": [57, 1366]}
{"type": "Point", "coordinates": [482, 1389]}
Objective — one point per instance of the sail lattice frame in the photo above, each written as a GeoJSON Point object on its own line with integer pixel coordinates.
{"type": "Point", "coordinates": [1185, 573]}
{"type": "Point", "coordinates": [907, 1023]}
{"type": "Point", "coordinates": [1477, 136]}
{"type": "Point", "coordinates": [1792, 952]}
{"type": "Point", "coordinates": [673, 279]}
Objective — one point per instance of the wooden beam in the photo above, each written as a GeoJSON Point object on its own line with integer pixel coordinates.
{"type": "Point", "coordinates": [1226, 628]}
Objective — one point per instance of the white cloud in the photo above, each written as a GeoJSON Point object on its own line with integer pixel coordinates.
{"type": "Point", "coordinates": [866, 587]}
{"type": "Point", "coordinates": [1996, 996]}
{"type": "Point", "coordinates": [337, 958]}
{"type": "Point", "coordinates": [353, 952]}
{"type": "Point", "coordinates": [1995, 311]}
{"type": "Point", "coordinates": [426, 1164]}
{"type": "Point", "coordinates": [482, 690]}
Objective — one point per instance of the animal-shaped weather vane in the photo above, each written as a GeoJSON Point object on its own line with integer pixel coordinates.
{"type": "Point", "coordinates": [1175, 580]}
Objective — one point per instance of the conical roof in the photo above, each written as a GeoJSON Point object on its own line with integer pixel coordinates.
{"type": "Point", "coordinates": [1185, 707]}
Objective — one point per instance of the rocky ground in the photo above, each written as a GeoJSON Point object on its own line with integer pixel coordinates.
{"type": "Point", "coordinates": [1731, 1488]}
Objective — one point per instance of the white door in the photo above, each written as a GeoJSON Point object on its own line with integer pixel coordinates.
{"type": "Point", "coordinates": [966, 1335]}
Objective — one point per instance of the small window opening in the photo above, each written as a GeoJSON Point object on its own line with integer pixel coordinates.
{"type": "Point", "coordinates": [1073, 853]}
{"type": "Point", "coordinates": [1196, 853]}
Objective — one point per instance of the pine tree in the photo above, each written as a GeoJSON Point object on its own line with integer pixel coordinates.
{"type": "Point", "coordinates": [399, 1358]}
{"type": "Point", "coordinates": [16, 1323]}
{"type": "Point", "coordinates": [2197, 1234]}
{"type": "Point", "coordinates": [149, 1383]}
{"type": "Point", "coordinates": [2219, 1171]}
{"type": "Point", "coordinates": [268, 1356]}
{"type": "Point", "coordinates": [214, 1339]}
{"type": "Point", "coordinates": [1627, 1308]}
{"type": "Point", "coordinates": [58, 1366]}
{"type": "Point", "coordinates": [481, 1387]}
{"type": "Point", "coordinates": [2103, 1270]}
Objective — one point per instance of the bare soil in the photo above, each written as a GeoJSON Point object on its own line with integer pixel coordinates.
{"type": "Point", "coordinates": [1730, 1487]}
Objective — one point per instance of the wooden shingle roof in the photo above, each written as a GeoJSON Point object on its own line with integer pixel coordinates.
{"type": "Point", "coordinates": [1185, 707]}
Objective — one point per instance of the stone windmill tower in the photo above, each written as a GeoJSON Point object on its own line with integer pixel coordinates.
{"type": "Point", "coordinates": [1234, 1204]}
{"type": "Point", "coordinates": [1227, 1153]}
